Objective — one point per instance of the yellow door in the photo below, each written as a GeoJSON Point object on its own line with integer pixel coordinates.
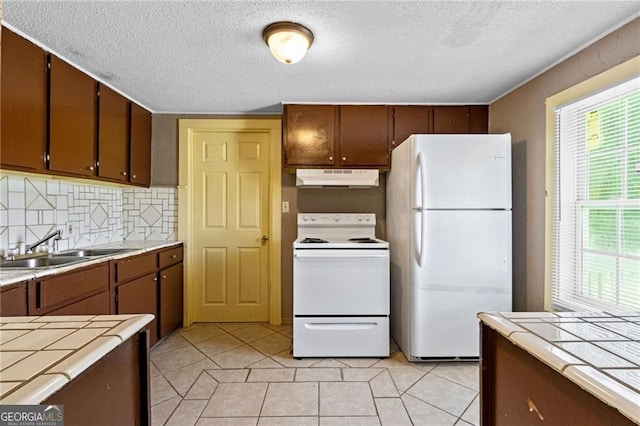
{"type": "Point", "coordinates": [231, 205]}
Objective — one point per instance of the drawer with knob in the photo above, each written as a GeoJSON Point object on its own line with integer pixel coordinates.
{"type": "Point", "coordinates": [133, 267]}
{"type": "Point", "coordinates": [170, 257]}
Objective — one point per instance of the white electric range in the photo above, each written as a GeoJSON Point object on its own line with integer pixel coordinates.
{"type": "Point", "coordinates": [340, 287]}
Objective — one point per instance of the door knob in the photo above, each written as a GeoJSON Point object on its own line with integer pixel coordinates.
{"type": "Point", "coordinates": [265, 238]}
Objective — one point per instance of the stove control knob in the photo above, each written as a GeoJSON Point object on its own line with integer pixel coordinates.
{"type": "Point", "coordinates": [313, 218]}
{"type": "Point", "coordinates": [359, 218]}
{"type": "Point", "coordinates": [336, 218]}
{"type": "Point", "coordinates": [305, 218]}
{"type": "Point", "coordinates": [367, 218]}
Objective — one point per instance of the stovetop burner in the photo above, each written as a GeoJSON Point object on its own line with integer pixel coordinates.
{"type": "Point", "coordinates": [362, 240]}
{"type": "Point", "coordinates": [314, 240]}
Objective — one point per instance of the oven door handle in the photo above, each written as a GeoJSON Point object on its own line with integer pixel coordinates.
{"type": "Point", "coordinates": [301, 255]}
{"type": "Point", "coordinates": [341, 325]}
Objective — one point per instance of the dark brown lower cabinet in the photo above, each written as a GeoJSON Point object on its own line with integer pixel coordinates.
{"type": "Point", "coordinates": [113, 391]}
{"type": "Point", "coordinates": [66, 292]}
{"type": "Point", "coordinates": [13, 300]}
{"type": "Point", "coordinates": [518, 389]}
{"type": "Point", "coordinates": [140, 296]}
{"type": "Point", "coordinates": [94, 305]}
{"type": "Point", "coordinates": [170, 299]}
{"type": "Point", "coordinates": [150, 283]}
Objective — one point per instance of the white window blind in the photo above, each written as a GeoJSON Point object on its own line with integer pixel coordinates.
{"type": "Point", "coordinates": [596, 235]}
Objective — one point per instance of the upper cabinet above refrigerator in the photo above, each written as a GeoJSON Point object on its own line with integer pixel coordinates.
{"type": "Point", "coordinates": [362, 136]}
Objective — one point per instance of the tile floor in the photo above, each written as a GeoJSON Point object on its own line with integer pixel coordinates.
{"type": "Point", "coordinates": [243, 374]}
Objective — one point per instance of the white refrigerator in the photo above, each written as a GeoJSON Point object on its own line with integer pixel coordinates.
{"type": "Point", "coordinates": [449, 232]}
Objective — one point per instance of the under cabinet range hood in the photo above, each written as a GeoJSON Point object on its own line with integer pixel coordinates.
{"type": "Point", "coordinates": [345, 178]}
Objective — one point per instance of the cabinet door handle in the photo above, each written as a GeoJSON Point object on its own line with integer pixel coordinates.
{"type": "Point", "coordinates": [39, 295]}
{"type": "Point", "coordinates": [91, 168]}
{"type": "Point", "coordinates": [124, 173]}
{"type": "Point", "coordinates": [330, 158]}
{"type": "Point", "coordinates": [344, 158]}
{"type": "Point", "coordinates": [155, 278]}
{"type": "Point", "coordinates": [173, 256]}
{"type": "Point", "coordinates": [164, 277]}
{"type": "Point", "coordinates": [133, 176]}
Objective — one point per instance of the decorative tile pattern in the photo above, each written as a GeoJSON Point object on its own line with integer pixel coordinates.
{"type": "Point", "coordinates": [99, 215]}
{"type": "Point", "coordinates": [88, 214]}
{"type": "Point", "coordinates": [150, 214]}
{"type": "Point", "coordinates": [278, 389]}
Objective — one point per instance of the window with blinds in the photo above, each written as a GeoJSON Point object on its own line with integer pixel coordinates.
{"type": "Point", "coordinates": [596, 223]}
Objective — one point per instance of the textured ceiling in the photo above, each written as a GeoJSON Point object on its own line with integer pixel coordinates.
{"type": "Point", "coordinates": [209, 56]}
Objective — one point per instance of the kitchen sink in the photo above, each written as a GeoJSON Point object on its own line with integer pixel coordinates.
{"type": "Point", "coordinates": [92, 252]}
{"type": "Point", "coordinates": [40, 262]}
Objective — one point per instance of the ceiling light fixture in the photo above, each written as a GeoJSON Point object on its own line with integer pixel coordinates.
{"type": "Point", "coordinates": [288, 41]}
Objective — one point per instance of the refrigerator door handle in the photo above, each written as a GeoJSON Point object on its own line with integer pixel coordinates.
{"type": "Point", "coordinates": [422, 167]}
{"type": "Point", "coordinates": [422, 172]}
{"type": "Point", "coordinates": [423, 238]}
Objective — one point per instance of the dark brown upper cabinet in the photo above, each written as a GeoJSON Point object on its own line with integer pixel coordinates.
{"type": "Point", "coordinates": [479, 119]}
{"type": "Point", "coordinates": [113, 135]}
{"type": "Point", "coordinates": [365, 136]}
{"type": "Point", "coordinates": [409, 120]}
{"type": "Point", "coordinates": [361, 136]}
{"type": "Point", "coordinates": [450, 119]}
{"type": "Point", "coordinates": [140, 146]}
{"type": "Point", "coordinates": [72, 120]}
{"type": "Point", "coordinates": [460, 119]}
{"type": "Point", "coordinates": [309, 135]}
{"type": "Point", "coordinates": [24, 104]}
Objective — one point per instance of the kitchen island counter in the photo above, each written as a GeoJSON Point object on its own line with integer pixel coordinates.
{"type": "Point", "coordinates": [83, 362]}
{"type": "Point", "coordinates": [544, 365]}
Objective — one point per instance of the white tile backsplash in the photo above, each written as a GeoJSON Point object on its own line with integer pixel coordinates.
{"type": "Point", "coordinates": [88, 214]}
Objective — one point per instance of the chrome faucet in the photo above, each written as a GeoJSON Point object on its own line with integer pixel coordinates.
{"type": "Point", "coordinates": [55, 235]}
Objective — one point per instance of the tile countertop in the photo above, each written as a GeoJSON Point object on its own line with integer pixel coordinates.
{"type": "Point", "coordinates": [12, 276]}
{"type": "Point", "coordinates": [39, 355]}
{"type": "Point", "coordinates": [598, 351]}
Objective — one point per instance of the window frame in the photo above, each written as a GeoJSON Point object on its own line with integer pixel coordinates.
{"type": "Point", "coordinates": [609, 78]}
